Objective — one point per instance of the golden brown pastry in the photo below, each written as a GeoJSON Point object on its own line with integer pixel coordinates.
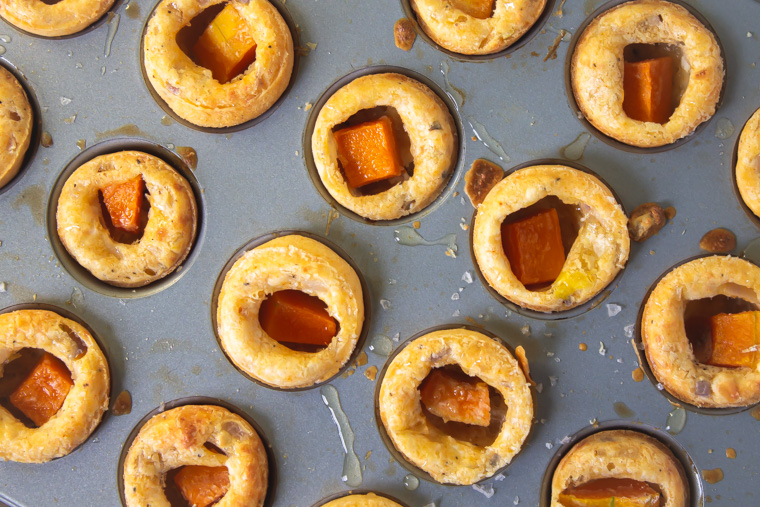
{"type": "Point", "coordinates": [445, 458]}
{"type": "Point", "coordinates": [748, 164]}
{"type": "Point", "coordinates": [598, 63]}
{"type": "Point", "coordinates": [191, 91]}
{"type": "Point", "coordinates": [461, 32]}
{"type": "Point", "coordinates": [363, 500]}
{"type": "Point", "coordinates": [599, 252]}
{"type": "Point", "coordinates": [426, 120]}
{"type": "Point", "coordinates": [288, 263]}
{"type": "Point", "coordinates": [86, 400]}
{"type": "Point", "coordinates": [168, 235]}
{"type": "Point", "coordinates": [622, 454]}
{"type": "Point", "coordinates": [53, 19]}
{"type": "Point", "coordinates": [16, 124]}
{"type": "Point", "coordinates": [176, 438]}
{"type": "Point", "coordinates": [670, 353]}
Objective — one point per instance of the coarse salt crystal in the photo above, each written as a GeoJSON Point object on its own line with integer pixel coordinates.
{"type": "Point", "coordinates": [602, 349]}
{"type": "Point", "coordinates": [628, 330]}
{"type": "Point", "coordinates": [455, 296]}
{"type": "Point", "coordinates": [467, 277]}
{"type": "Point", "coordinates": [486, 489]}
{"type": "Point", "coordinates": [613, 309]}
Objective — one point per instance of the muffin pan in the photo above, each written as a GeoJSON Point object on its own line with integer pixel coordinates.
{"type": "Point", "coordinates": [513, 110]}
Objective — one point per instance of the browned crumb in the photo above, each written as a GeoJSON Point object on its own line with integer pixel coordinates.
{"type": "Point", "coordinates": [718, 241]}
{"type": "Point", "coordinates": [404, 34]}
{"type": "Point", "coordinates": [189, 156]}
{"type": "Point", "coordinates": [637, 375]}
{"type": "Point", "coordinates": [371, 373]}
{"type": "Point", "coordinates": [416, 224]}
{"type": "Point", "coordinates": [123, 404]}
{"type": "Point", "coordinates": [551, 53]}
{"type": "Point", "coordinates": [522, 359]}
{"type": "Point", "coordinates": [731, 453]}
{"type": "Point", "coordinates": [582, 347]}
{"type": "Point", "coordinates": [361, 360]}
{"type": "Point", "coordinates": [46, 140]}
{"type": "Point", "coordinates": [480, 179]}
{"type": "Point", "coordinates": [670, 212]}
{"type": "Point", "coordinates": [646, 221]}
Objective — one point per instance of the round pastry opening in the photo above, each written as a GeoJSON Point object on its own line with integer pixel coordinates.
{"type": "Point", "coordinates": [549, 224]}
{"type": "Point", "coordinates": [597, 491]}
{"type": "Point", "coordinates": [463, 407]}
{"type": "Point", "coordinates": [218, 39]}
{"type": "Point", "coordinates": [34, 385]}
{"type": "Point", "coordinates": [51, 2]}
{"type": "Point", "coordinates": [118, 222]}
{"type": "Point", "coordinates": [396, 125]}
{"type": "Point", "coordinates": [661, 66]}
{"type": "Point", "coordinates": [351, 139]}
{"type": "Point", "coordinates": [36, 132]}
{"type": "Point", "coordinates": [715, 326]}
{"type": "Point", "coordinates": [297, 320]}
{"type": "Point", "coordinates": [480, 9]}
{"type": "Point", "coordinates": [198, 475]}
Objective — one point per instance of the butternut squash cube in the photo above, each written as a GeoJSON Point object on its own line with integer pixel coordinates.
{"type": "Point", "coordinates": [368, 152]}
{"type": "Point", "coordinates": [482, 9]}
{"type": "Point", "coordinates": [647, 88]}
{"type": "Point", "coordinates": [534, 247]}
{"type": "Point", "coordinates": [457, 398]}
{"type": "Point", "coordinates": [296, 317]}
{"type": "Point", "coordinates": [43, 392]}
{"type": "Point", "coordinates": [734, 339]}
{"type": "Point", "coordinates": [607, 492]}
{"type": "Point", "coordinates": [124, 203]}
{"type": "Point", "coordinates": [226, 47]}
{"type": "Point", "coordinates": [202, 486]}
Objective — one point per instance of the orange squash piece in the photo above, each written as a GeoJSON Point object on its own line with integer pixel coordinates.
{"type": "Point", "coordinates": [226, 47]}
{"type": "Point", "coordinates": [607, 492]}
{"type": "Point", "coordinates": [202, 486]}
{"type": "Point", "coordinates": [647, 89]}
{"type": "Point", "coordinates": [734, 339]}
{"type": "Point", "coordinates": [124, 203]}
{"type": "Point", "coordinates": [368, 152]}
{"type": "Point", "coordinates": [44, 390]}
{"type": "Point", "coordinates": [295, 317]}
{"type": "Point", "coordinates": [534, 247]}
{"type": "Point", "coordinates": [456, 398]}
{"type": "Point", "coordinates": [481, 9]}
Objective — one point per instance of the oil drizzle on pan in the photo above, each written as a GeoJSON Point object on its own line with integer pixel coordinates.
{"type": "Point", "coordinates": [407, 236]}
{"type": "Point", "coordinates": [352, 471]}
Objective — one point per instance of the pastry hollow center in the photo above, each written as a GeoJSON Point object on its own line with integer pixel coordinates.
{"type": "Point", "coordinates": [657, 74]}
{"type": "Point", "coordinates": [569, 219]}
{"type": "Point", "coordinates": [16, 372]}
{"type": "Point", "coordinates": [297, 320]}
{"type": "Point", "coordinates": [121, 235]}
{"type": "Point", "coordinates": [699, 322]}
{"type": "Point", "coordinates": [482, 436]}
{"type": "Point", "coordinates": [51, 2]}
{"type": "Point", "coordinates": [403, 146]}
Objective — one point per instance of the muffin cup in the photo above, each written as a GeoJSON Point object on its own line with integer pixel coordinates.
{"type": "Point", "coordinates": [265, 238]}
{"type": "Point", "coordinates": [340, 83]}
{"type": "Point", "coordinates": [94, 25]}
{"type": "Point", "coordinates": [76, 270]}
{"type": "Point", "coordinates": [344, 494]}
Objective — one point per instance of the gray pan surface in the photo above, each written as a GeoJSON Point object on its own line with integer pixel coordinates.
{"type": "Point", "coordinates": [162, 346]}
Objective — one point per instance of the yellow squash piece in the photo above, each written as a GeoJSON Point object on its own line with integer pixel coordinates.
{"type": "Point", "coordinates": [226, 47]}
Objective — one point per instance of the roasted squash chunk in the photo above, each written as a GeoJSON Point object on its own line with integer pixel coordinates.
{"type": "Point", "coordinates": [607, 492]}
{"type": "Point", "coordinates": [293, 316]}
{"type": "Point", "coordinates": [481, 9]}
{"type": "Point", "coordinates": [226, 47]}
{"type": "Point", "coordinates": [43, 392]}
{"type": "Point", "coordinates": [534, 247]}
{"type": "Point", "coordinates": [457, 398]}
{"type": "Point", "coordinates": [124, 203]}
{"type": "Point", "coordinates": [734, 339]}
{"type": "Point", "coordinates": [368, 152]}
{"type": "Point", "coordinates": [202, 486]}
{"type": "Point", "coordinates": [647, 89]}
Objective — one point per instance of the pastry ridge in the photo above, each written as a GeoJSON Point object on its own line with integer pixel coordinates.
{"type": "Point", "coordinates": [52, 20]}
{"type": "Point", "coordinates": [748, 164]}
{"type": "Point", "coordinates": [602, 239]}
{"type": "Point", "coordinates": [363, 500]}
{"type": "Point", "coordinates": [288, 262]}
{"type": "Point", "coordinates": [445, 458]}
{"type": "Point", "coordinates": [86, 401]}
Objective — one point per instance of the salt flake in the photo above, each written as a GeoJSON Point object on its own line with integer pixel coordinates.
{"type": "Point", "coordinates": [486, 489]}
{"type": "Point", "coordinates": [613, 309]}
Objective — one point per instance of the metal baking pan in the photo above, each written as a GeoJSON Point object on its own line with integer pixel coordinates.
{"type": "Point", "coordinates": [514, 109]}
